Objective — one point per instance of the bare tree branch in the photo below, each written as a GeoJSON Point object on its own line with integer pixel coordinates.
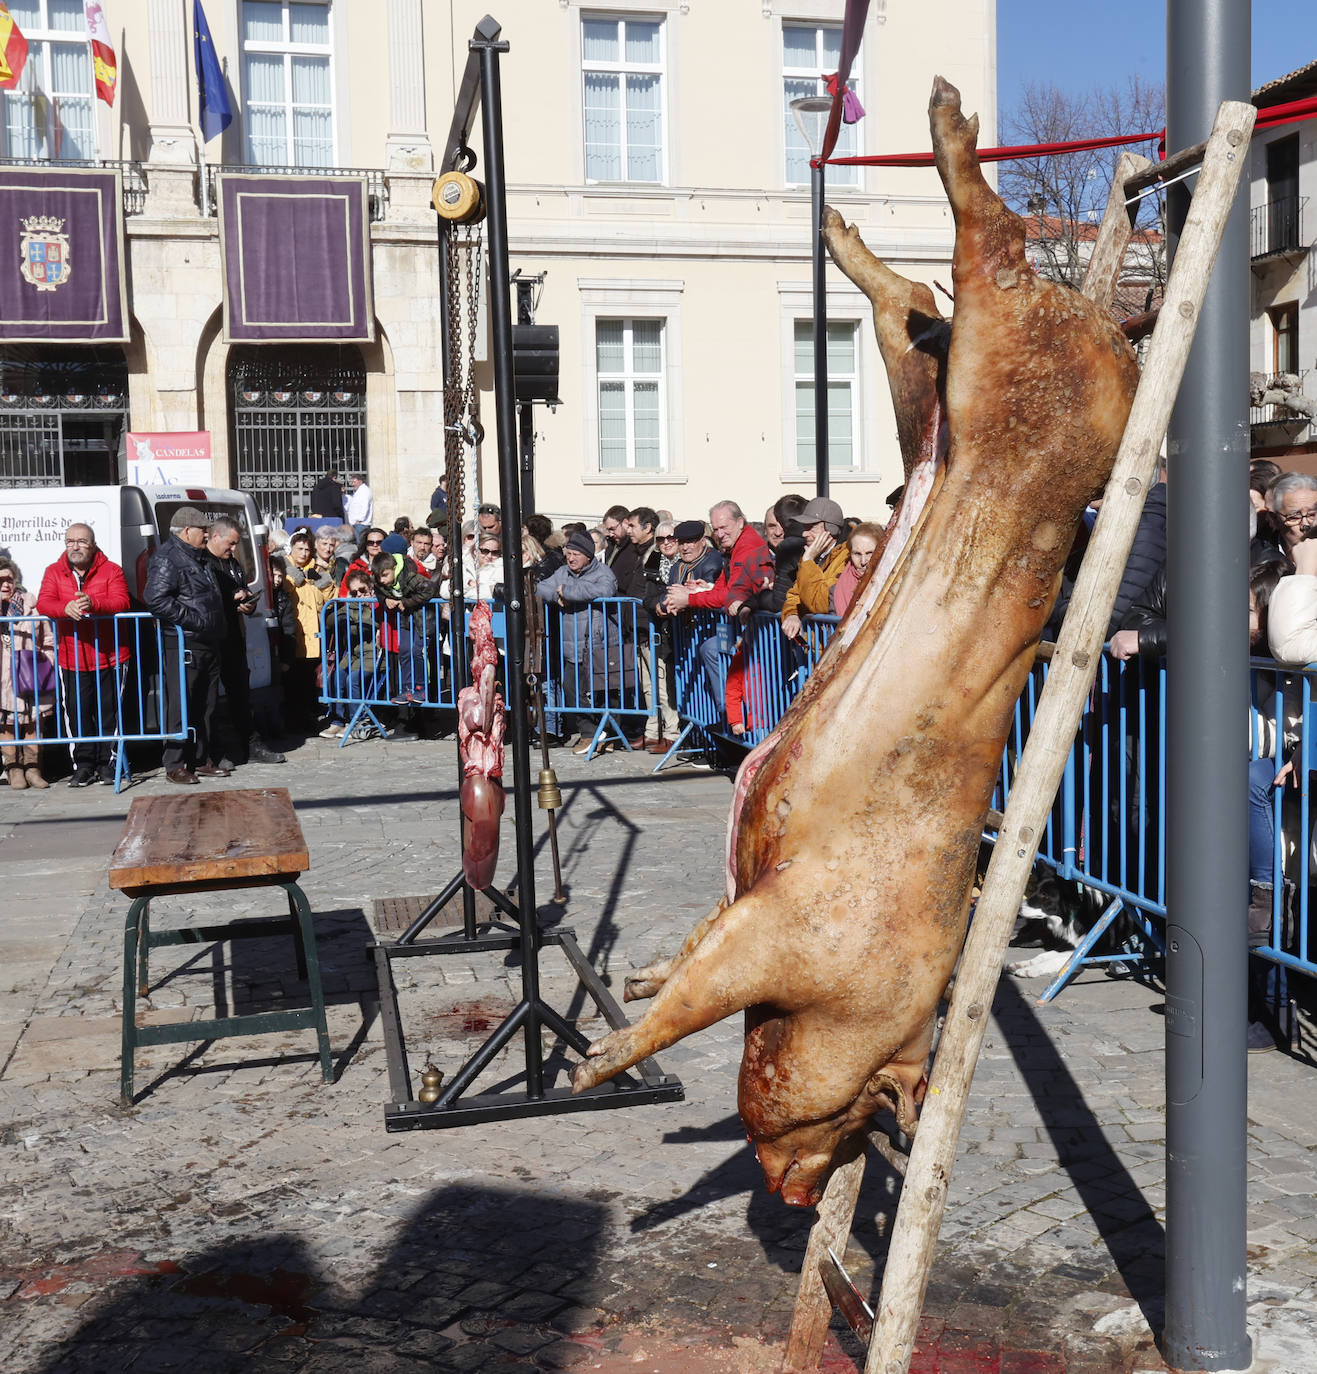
{"type": "Point", "coordinates": [1062, 196]}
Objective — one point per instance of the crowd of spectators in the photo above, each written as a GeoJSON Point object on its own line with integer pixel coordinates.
{"type": "Point", "coordinates": [806, 557]}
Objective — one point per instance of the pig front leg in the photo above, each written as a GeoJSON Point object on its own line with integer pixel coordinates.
{"type": "Point", "coordinates": [645, 982]}
{"type": "Point", "coordinates": [742, 959]}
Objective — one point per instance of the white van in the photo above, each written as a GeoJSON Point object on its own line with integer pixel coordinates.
{"type": "Point", "coordinates": [129, 524]}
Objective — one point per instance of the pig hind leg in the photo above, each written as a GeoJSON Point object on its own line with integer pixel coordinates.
{"type": "Point", "coordinates": [987, 233]}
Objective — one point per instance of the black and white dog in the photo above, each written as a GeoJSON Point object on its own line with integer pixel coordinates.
{"type": "Point", "coordinates": [1057, 916]}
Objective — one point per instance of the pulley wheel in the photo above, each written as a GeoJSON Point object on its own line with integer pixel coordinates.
{"type": "Point", "coordinates": [458, 198]}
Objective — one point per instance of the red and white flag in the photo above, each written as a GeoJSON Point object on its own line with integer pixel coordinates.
{"type": "Point", "coordinates": [102, 50]}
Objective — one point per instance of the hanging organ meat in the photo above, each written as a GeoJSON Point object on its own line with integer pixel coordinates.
{"type": "Point", "coordinates": [854, 828]}
{"type": "Point", "coordinates": [480, 726]}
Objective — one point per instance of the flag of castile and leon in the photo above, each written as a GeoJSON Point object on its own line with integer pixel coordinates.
{"type": "Point", "coordinates": [103, 61]}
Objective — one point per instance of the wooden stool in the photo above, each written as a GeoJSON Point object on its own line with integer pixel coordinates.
{"type": "Point", "coordinates": [212, 842]}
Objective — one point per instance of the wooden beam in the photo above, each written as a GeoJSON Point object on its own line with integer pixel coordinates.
{"type": "Point", "coordinates": [1113, 236]}
{"type": "Point", "coordinates": [813, 1311]}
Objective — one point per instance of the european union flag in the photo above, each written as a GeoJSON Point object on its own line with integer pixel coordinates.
{"type": "Point", "coordinates": [216, 113]}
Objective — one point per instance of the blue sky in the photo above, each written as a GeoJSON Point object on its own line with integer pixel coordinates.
{"type": "Point", "coordinates": [1119, 38]}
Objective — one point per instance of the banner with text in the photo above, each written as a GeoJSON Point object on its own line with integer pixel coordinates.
{"type": "Point", "coordinates": [296, 256]}
{"type": "Point", "coordinates": [180, 459]}
{"type": "Point", "coordinates": [61, 256]}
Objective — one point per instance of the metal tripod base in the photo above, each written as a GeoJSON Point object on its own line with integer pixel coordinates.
{"type": "Point", "coordinates": [646, 1083]}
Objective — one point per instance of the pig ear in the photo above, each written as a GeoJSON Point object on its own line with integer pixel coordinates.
{"type": "Point", "coordinates": [972, 128]}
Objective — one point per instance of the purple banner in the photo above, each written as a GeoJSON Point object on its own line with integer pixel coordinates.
{"type": "Point", "coordinates": [61, 256]}
{"type": "Point", "coordinates": [296, 259]}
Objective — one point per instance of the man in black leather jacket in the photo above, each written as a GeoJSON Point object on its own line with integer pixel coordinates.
{"type": "Point", "coordinates": [181, 591]}
{"type": "Point", "coordinates": [239, 601]}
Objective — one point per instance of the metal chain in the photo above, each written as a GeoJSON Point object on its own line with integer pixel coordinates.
{"type": "Point", "coordinates": [453, 384]}
{"type": "Point", "coordinates": [461, 396]}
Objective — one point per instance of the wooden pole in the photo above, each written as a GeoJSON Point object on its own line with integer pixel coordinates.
{"type": "Point", "coordinates": [1113, 237]}
{"type": "Point", "coordinates": [905, 1278]}
{"type": "Point", "coordinates": [813, 1312]}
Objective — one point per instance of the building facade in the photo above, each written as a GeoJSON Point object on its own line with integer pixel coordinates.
{"type": "Point", "coordinates": [657, 187]}
{"type": "Point", "coordinates": [1283, 335]}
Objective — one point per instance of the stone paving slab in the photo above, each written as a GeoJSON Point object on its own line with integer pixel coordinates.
{"type": "Point", "coordinates": [246, 1216]}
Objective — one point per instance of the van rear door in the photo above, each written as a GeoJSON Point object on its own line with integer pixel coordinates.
{"type": "Point", "coordinates": [250, 553]}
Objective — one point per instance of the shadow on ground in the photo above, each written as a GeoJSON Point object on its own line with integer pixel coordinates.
{"type": "Point", "coordinates": [479, 1279]}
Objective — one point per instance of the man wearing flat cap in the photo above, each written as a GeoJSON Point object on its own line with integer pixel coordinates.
{"type": "Point", "coordinates": [822, 563]}
{"type": "Point", "coordinates": [181, 592]}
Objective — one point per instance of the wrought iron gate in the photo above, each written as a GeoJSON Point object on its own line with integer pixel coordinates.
{"type": "Point", "coordinates": [294, 418]}
{"type": "Point", "coordinates": [62, 416]}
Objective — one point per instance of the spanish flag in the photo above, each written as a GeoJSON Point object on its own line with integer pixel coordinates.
{"type": "Point", "coordinates": [103, 64]}
{"type": "Point", "coordinates": [13, 50]}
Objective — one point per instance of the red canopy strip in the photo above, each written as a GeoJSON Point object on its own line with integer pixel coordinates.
{"type": "Point", "coordinates": [990, 154]}
{"type": "Point", "coordinates": [852, 26]}
{"type": "Point", "coordinates": [1267, 119]}
{"type": "Point", "coordinates": [1282, 114]}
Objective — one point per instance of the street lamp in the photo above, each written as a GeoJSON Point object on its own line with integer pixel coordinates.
{"type": "Point", "coordinates": [817, 105]}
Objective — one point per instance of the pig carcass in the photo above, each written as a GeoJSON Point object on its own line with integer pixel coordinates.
{"type": "Point", "coordinates": [854, 829]}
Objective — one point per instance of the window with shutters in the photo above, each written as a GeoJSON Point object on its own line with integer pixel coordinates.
{"type": "Point", "coordinates": [622, 74]}
{"type": "Point", "coordinates": [51, 113]}
{"type": "Point", "coordinates": [288, 83]}
{"type": "Point", "coordinates": [632, 408]}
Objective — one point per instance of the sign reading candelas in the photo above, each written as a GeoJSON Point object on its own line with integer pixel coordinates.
{"type": "Point", "coordinates": [61, 255]}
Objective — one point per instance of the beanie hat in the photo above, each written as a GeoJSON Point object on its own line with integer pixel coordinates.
{"type": "Point", "coordinates": [581, 542]}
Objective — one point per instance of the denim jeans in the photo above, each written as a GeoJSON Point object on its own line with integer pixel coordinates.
{"type": "Point", "coordinates": [356, 683]}
{"type": "Point", "coordinates": [1261, 821]}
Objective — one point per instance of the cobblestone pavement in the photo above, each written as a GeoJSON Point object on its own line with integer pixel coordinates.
{"type": "Point", "coordinates": [247, 1217]}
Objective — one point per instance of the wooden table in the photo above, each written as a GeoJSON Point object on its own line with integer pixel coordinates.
{"type": "Point", "coordinates": [208, 842]}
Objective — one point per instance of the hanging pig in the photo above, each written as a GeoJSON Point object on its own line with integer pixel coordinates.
{"type": "Point", "coordinates": [854, 829]}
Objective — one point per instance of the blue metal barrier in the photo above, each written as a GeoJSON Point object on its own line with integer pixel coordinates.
{"type": "Point", "coordinates": [371, 659]}
{"type": "Point", "coordinates": [1284, 730]}
{"type": "Point", "coordinates": [766, 671]}
{"type": "Point", "coordinates": [1107, 827]}
{"type": "Point", "coordinates": [117, 705]}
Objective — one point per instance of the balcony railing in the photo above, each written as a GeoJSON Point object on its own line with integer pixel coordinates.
{"type": "Point", "coordinates": [134, 179]}
{"type": "Point", "coordinates": [1279, 413]}
{"type": "Point", "coordinates": [377, 183]}
{"type": "Point", "coordinates": [1278, 227]}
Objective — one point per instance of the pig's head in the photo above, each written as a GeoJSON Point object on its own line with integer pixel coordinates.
{"type": "Point", "coordinates": [797, 1158]}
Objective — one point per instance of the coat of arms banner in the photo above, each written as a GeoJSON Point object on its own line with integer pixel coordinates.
{"type": "Point", "coordinates": [61, 256]}
{"type": "Point", "coordinates": [296, 259]}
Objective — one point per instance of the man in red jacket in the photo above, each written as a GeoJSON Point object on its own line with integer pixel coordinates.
{"type": "Point", "coordinates": [748, 569]}
{"type": "Point", "coordinates": [84, 584]}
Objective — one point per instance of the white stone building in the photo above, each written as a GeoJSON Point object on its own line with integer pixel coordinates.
{"type": "Point", "coordinates": [655, 178]}
{"type": "Point", "coordinates": [1283, 335]}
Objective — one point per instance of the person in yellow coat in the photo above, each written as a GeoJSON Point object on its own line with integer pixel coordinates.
{"type": "Point", "coordinates": [820, 566]}
{"type": "Point", "coordinates": [310, 588]}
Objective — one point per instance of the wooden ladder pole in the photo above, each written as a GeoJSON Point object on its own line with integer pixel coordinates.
{"type": "Point", "coordinates": [1113, 236]}
{"type": "Point", "coordinates": [813, 1311]}
{"type": "Point", "coordinates": [905, 1277]}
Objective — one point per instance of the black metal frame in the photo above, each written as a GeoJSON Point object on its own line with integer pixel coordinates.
{"type": "Point", "coordinates": [480, 90]}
